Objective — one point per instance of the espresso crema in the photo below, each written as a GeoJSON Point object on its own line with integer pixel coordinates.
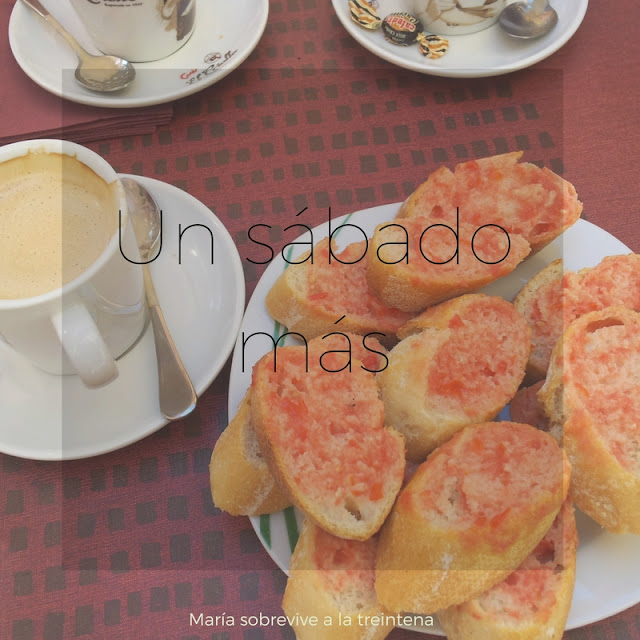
{"type": "Point", "coordinates": [56, 218]}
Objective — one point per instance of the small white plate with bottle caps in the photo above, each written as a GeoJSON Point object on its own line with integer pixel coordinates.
{"type": "Point", "coordinates": [393, 30]}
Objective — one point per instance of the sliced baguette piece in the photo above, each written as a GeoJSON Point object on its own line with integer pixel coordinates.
{"type": "Point", "coordinates": [413, 264]}
{"type": "Point", "coordinates": [321, 429]}
{"type": "Point", "coordinates": [309, 297]}
{"type": "Point", "coordinates": [469, 516]}
{"type": "Point", "coordinates": [241, 483]}
{"type": "Point", "coordinates": [522, 198]}
{"type": "Point", "coordinates": [592, 398]}
{"type": "Point", "coordinates": [463, 367]}
{"type": "Point", "coordinates": [551, 300]}
{"type": "Point", "coordinates": [533, 602]}
{"type": "Point", "coordinates": [333, 579]}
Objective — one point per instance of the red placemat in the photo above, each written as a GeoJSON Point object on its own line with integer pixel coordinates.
{"type": "Point", "coordinates": [128, 545]}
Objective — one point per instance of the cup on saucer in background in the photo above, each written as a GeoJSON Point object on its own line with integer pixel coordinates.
{"type": "Point", "coordinates": [71, 295]}
{"type": "Point", "coordinates": [456, 17]}
{"type": "Point", "coordinates": [138, 30]}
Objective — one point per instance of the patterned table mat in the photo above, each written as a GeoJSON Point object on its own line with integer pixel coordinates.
{"type": "Point", "coordinates": [128, 544]}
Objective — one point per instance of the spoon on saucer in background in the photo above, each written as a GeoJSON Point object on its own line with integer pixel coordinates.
{"type": "Point", "coordinates": [176, 393]}
{"type": "Point", "coordinates": [98, 73]}
{"type": "Point", "coordinates": [528, 18]}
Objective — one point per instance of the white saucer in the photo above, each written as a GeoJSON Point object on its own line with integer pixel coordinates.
{"type": "Point", "coordinates": [608, 565]}
{"type": "Point", "coordinates": [222, 28]}
{"type": "Point", "coordinates": [486, 53]}
{"type": "Point", "coordinates": [48, 417]}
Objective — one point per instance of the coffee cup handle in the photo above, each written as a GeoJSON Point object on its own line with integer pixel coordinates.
{"type": "Point", "coordinates": [84, 346]}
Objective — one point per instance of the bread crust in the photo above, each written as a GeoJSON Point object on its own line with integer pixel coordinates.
{"type": "Point", "coordinates": [477, 620]}
{"type": "Point", "coordinates": [307, 594]}
{"type": "Point", "coordinates": [430, 387]}
{"type": "Point", "coordinates": [429, 559]}
{"type": "Point", "coordinates": [546, 322]}
{"type": "Point", "coordinates": [241, 483]}
{"type": "Point", "coordinates": [602, 487]}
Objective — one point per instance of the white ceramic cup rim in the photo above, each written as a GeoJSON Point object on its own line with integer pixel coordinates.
{"type": "Point", "coordinates": [105, 171]}
{"type": "Point", "coordinates": [457, 30]}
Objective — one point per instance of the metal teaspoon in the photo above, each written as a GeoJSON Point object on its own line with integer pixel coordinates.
{"type": "Point", "coordinates": [176, 393]}
{"type": "Point", "coordinates": [528, 18]}
{"type": "Point", "coordinates": [98, 73]}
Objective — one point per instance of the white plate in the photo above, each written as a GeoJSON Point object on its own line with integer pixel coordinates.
{"type": "Point", "coordinates": [226, 33]}
{"type": "Point", "coordinates": [490, 52]}
{"type": "Point", "coordinates": [608, 566]}
{"type": "Point", "coordinates": [48, 417]}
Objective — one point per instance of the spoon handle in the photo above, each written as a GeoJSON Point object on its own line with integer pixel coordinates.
{"type": "Point", "coordinates": [176, 393]}
{"type": "Point", "coordinates": [41, 10]}
{"type": "Point", "coordinates": [38, 7]}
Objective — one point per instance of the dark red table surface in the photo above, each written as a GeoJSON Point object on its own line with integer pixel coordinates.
{"type": "Point", "coordinates": [128, 544]}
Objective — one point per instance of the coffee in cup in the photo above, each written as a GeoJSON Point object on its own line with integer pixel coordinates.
{"type": "Point", "coordinates": [70, 302]}
{"type": "Point", "coordinates": [138, 30]}
{"type": "Point", "coordinates": [56, 218]}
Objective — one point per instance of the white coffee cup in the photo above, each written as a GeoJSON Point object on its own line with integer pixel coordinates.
{"type": "Point", "coordinates": [138, 30]}
{"type": "Point", "coordinates": [85, 324]}
{"type": "Point", "coordinates": [456, 17]}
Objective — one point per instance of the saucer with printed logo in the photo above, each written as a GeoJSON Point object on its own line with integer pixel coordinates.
{"type": "Point", "coordinates": [224, 36]}
{"type": "Point", "coordinates": [50, 417]}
